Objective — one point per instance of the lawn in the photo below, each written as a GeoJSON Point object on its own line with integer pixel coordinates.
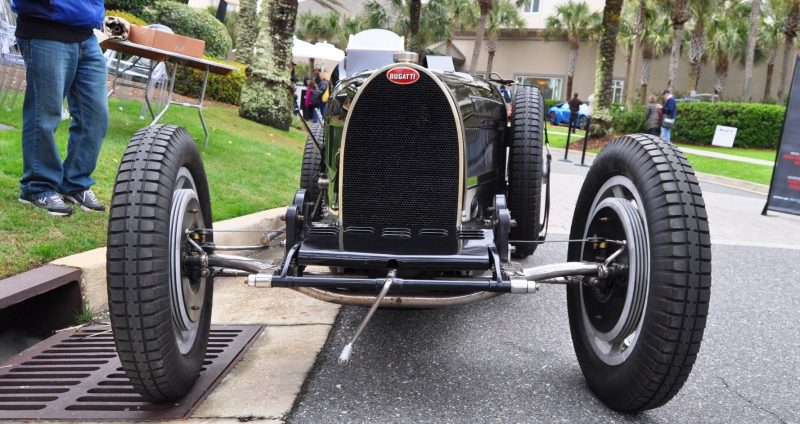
{"type": "Point", "coordinates": [763, 154]}
{"type": "Point", "coordinates": [250, 168]}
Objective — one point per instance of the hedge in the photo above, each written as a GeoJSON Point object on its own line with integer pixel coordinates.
{"type": "Point", "coordinates": [759, 125]}
{"type": "Point", "coordinates": [134, 20]}
{"type": "Point", "coordinates": [196, 23]}
{"type": "Point", "coordinates": [548, 103]}
{"type": "Point", "coordinates": [226, 89]}
{"type": "Point", "coordinates": [134, 7]}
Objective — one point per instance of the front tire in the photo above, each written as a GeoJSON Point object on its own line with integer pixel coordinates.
{"type": "Point", "coordinates": [525, 168]}
{"type": "Point", "coordinates": [312, 168]}
{"type": "Point", "coordinates": [637, 339]}
{"type": "Point", "coordinates": [160, 310]}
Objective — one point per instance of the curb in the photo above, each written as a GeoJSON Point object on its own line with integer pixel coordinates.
{"type": "Point", "coordinates": [93, 262]}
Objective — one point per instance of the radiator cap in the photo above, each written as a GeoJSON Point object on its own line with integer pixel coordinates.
{"type": "Point", "coordinates": [406, 57]}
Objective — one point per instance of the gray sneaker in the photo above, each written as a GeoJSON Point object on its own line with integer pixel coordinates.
{"type": "Point", "coordinates": [51, 202]}
{"type": "Point", "coordinates": [87, 200]}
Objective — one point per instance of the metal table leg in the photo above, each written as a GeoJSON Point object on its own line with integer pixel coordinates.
{"type": "Point", "coordinates": [200, 105]}
{"type": "Point", "coordinates": [169, 97]}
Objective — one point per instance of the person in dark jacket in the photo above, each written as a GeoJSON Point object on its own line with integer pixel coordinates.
{"type": "Point", "coordinates": [669, 112]}
{"type": "Point", "coordinates": [62, 59]}
{"type": "Point", "coordinates": [574, 107]}
{"type": "Point", "coordinates": [653, 117]}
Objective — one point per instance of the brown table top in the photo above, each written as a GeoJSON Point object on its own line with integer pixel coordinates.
{"type": "Point", "coordinates": [160, 55]}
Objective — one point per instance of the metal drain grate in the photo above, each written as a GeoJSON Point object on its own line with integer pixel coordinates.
{"type": "Point", "coordinates": [76, 375]}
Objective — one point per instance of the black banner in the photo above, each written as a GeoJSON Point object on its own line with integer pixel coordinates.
{"type": "Point", "coordinates": [784, 192]}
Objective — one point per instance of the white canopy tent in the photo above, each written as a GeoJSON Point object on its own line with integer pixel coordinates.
{"type": "Point", "coordinates": [325, 55]}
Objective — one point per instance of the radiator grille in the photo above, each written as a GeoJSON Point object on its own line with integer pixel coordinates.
{"type": "Point", "coordinates": [400, 167]}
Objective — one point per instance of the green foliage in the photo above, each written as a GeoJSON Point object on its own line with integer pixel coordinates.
{"type": "Point", "coordinates": [134, 7]}
{"type": "Point", "coordinates": [83, 316]}
{"type": "Point", "coordinates": [195, 23]}
{"type": "Point", "coordinates": [134, 20]}
{"type": "Point", "coordinates": [548, 103]}
{"type": "Point", "coordinates": [628, 121]}
{"type": "Point", "coordinates": [222, 88]}
{"type": "Point", "coordinates": [759, 125]}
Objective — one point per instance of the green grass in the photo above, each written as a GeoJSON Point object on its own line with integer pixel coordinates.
{"type": "Point", "coordinates": [250, 167]}
{"type": "Point", "coordinates": [739, 170]}
{"type": "Point", "coordinates": [763, 154]}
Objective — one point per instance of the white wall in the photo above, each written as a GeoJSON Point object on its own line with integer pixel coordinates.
{"type": "Point", "coordinates": [548, 7]}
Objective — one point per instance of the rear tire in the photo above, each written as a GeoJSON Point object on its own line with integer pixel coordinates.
{"type": "Point", "coordinates": [312, 168]}
{"type": "Point", "coordinates": [637, 356]}
{"type": "Point", "coordinates": [160, 311]}
{"type": "Point", "coordinates": [525, 168]}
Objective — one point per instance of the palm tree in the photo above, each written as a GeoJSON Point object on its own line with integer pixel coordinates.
{"type": "Point", "coordinates": [656, 40]}
{"type": "Point", "coordinates": [700, 9]}
{"type": "Point", "coordinates": [727, 34]}
{"type": "Point", "coordinates": [575, 22]}
{"type": "Point", "coordinates": [679, 14]}
{"type": "Point", "coordinates": [461, 15]}
{"type": "Point", "coordinates": [605, 57]}
{"type": "Point", "coordinates": [267, 94]}
{"type": "Point", "coordinates": [636, 51]}
{"type": "Point", "coordinates": [485, 7]}
{"type": "Point", "coordinates": [791, 24]}
{"type": "Point", "coordinates": [627, 27]}
{"type": "Point", "coordinates": [769, 40]}
{"type": "Point", "coordinates": [504, 15]}
{"type": "Point", "coordinates": [414, 12]}
{"type": "Point", "coordinates": [375, 15]}
{"type": "Point", "coordinates": [752, 36]}
{"type": "Point", "coordinates": [247, 31]}
{"type": "Point", "coordinates": [315, 27]}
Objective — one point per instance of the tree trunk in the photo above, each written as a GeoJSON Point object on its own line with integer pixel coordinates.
{"type": "Point", "coordinates": [647, 69]}
{"type": "Point", "coordinates": [267, 94]}
{"type": "Point", "coordinates": [721, 70]}
{"type": "Point", "coordinates": [630, 87]}
{"type": "Point", "coordinates": [448, 50]}
{"type": "Point", "coordinates": [768, 83]}
{"type": "Point", "coordinates": [787, 53]}
{"type": "Point", "coordinates": [627, 83]}
{"type": "Point", "coordinates": [675, 56]}
{"type": "Point", "coordinates": [415, 7]}
{"type": "Point", "coordinates": [696, 48]}
{"type": "Point", "coordinates": [489, 62]}
{"type": "Point", "coordinates": [486, 6]}
{"type": "Point", "coordinates": [752, 37]}
{"type": "Point", "coordinates": [571, 66]}
{"type": "Point", "coordinates": [608, 50]}
{"type": "Point", "coordinates": [246, 32]}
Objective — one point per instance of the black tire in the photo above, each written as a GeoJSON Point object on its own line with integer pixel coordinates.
{"type": "Point", "coordinates": [525, 168]}
{"type": "Point", "coordinates": [312, 167]}
{"type": "Point", "coordinates": [645, 368]}
{"type": "Point", "coordinates": [553, 118]}
{"type": "Point", "coordinates": [160, 188]}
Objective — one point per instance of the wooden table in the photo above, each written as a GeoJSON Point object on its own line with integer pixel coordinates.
{"type": "Point", "coordinates": [176, 59]}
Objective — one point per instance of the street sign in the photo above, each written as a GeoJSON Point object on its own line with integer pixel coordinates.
{"type": "Point", "coordinates": [724, 136]}
{"type": "Point", "coordinates": [784, 192]}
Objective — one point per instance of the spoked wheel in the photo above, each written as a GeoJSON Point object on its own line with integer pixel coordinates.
{"type": "Point", "coordinates": [637, 337]}
{"type": "Point", "coordinates": [526, 168]}
{"type": "Point", "coordinates": [160, 309]}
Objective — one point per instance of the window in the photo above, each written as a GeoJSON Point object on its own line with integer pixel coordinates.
{"type": "Point", "coordinates": [530, 6]}
{"type": "Point", "coordinates": [550, 87]}
{"type": "Point", "coordinates": [617, 91]}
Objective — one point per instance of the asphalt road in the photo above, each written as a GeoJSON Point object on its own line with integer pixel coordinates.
{"type": "Point", "coordinates": [511, 359]}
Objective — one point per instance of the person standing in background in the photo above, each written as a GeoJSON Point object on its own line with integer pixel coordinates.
{"type": "Point", "coordinates": [574, 107]}
{"type": "Point", "coordinates": [653, 117]}
{"type": "Point", "coordinates": [669, 112]}
{"type": "Point", "coordinates": [62, 59]}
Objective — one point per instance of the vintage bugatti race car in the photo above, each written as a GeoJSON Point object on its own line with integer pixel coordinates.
{"type": "Point", "coordinates": [419, 192]}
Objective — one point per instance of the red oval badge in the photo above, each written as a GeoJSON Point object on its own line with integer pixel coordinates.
{"type": "Point", "coordinates": [402, 75]}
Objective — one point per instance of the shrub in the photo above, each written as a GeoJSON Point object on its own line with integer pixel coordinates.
{"type": "Point", "coordinates": [134, 7]}
{"type": "Point", "coordinates": [628, 121]}
{"type": "Point", "coordinates": [195, 23]}
{"type": "Point", "coordinates": [134, 20]}
{"type": "Point", "coordinates": [759, 125]}
{"type": "Point", "coordinates": [222, 88]}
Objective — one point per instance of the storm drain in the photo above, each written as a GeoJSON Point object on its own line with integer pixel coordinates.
{"type": "Point", "coordinates": [76, 375]}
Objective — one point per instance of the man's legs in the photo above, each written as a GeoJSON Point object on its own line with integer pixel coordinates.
{"type": "Point", "coordinates": [88, 106]}
{"type": "Point", "coordinates": [49, 67]}
{"type": "Point", "coordinates": [666, 133]}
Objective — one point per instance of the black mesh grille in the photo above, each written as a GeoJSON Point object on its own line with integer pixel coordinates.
{"type": "Point", "coordinates": [401, 165]}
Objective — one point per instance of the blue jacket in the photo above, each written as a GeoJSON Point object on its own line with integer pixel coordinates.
{"type": "Point", "coordinates": [78, 14]}
{"type": "Point", "coordinates": [670, 108]}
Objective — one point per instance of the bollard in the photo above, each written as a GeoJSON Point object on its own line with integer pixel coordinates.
{"type": "Point", "coordinates": [566, 148]}
{"type": "Point", "coordinates": [585, 141]}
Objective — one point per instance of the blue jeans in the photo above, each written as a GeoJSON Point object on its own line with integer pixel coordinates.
{"type": "Point", "coordinates": [55, 70]}
{"type": "Point", "coordinates": [666, 134]}
{"type": "Point", "coordinates": [321, 109]}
